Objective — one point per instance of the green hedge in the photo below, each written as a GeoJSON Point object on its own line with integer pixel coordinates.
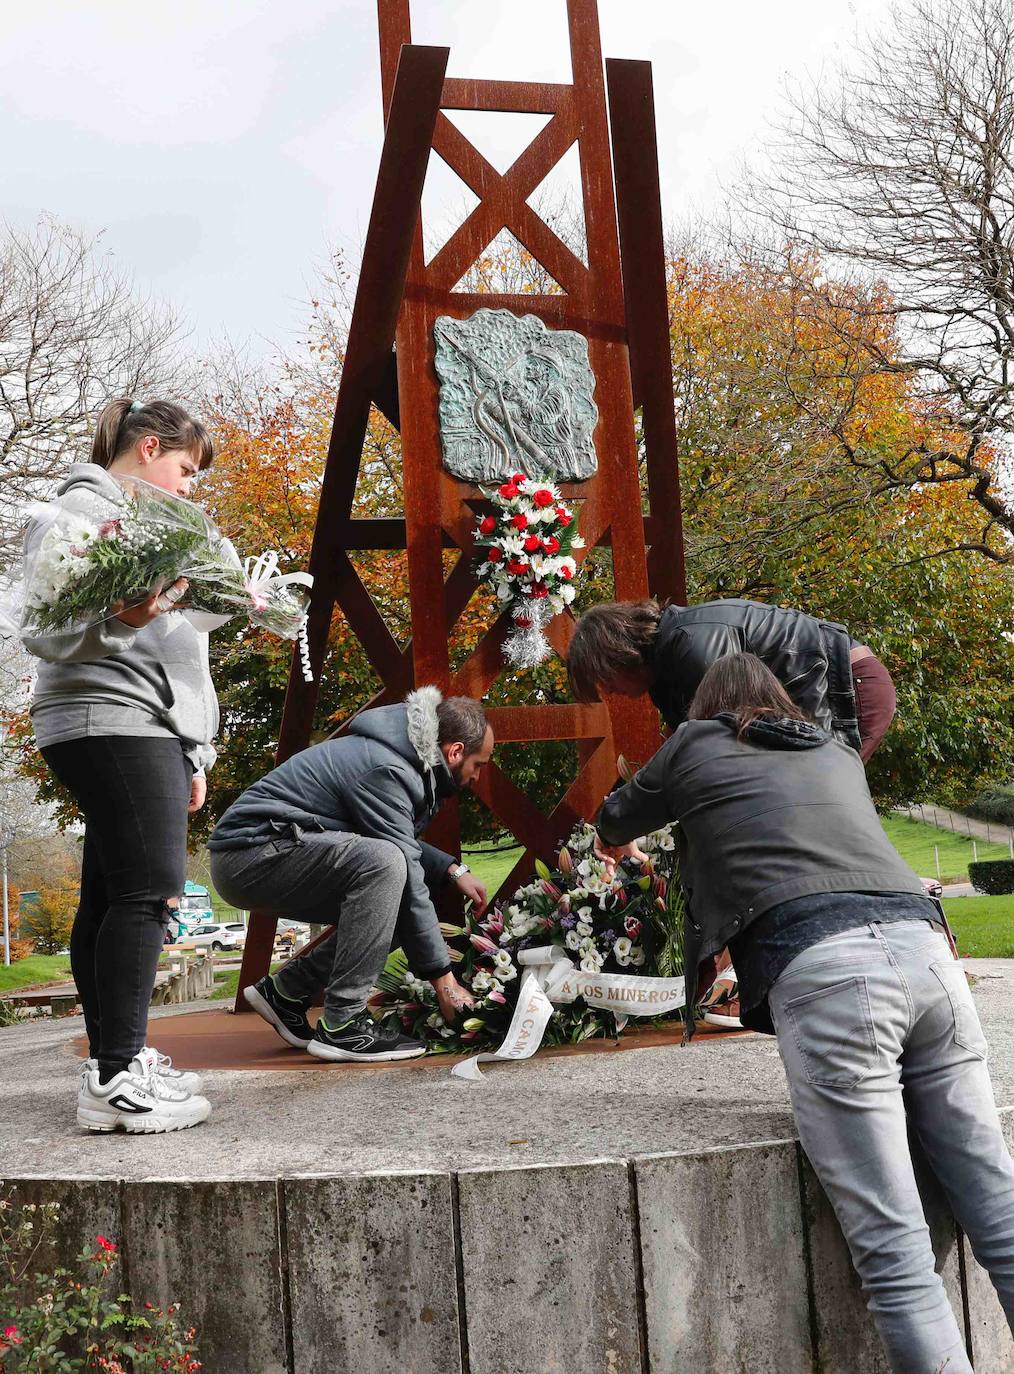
{"type": "Point", "coordinates": [997, 804]}
{"type": "Point", "coordinates": [995, 877]}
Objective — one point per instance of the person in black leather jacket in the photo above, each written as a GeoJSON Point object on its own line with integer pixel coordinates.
{"type": "Point", "coordinates": [635, 647]}
{"type": "Point", "coordinates": [630, 648]}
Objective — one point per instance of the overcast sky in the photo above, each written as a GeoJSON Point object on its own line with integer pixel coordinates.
{"type": "Point", "coordinates": [222, 145]}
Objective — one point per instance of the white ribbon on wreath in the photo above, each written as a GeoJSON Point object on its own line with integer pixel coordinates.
{"type": "Point", "coordinates": [550, 980]}
{"type": "Point", "coordinates": [261, 575]}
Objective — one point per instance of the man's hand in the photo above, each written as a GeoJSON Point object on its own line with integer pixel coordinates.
{"type": "Point", "coordinates": [157, 604]}
{"type": "Point", "coordinates": [451, 996]}
{"type": "Point", "coordinates": [473, 891]}
{"type": "Point", "coordinates": [198, 792]}
{"type": "Point", "coordinates": [612, 853]}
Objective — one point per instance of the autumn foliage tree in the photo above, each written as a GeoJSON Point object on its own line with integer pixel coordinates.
{"type": "Point", "coordinates": [52, 917]}
{"type": "Point", "coordinates": [899, 169]}
{"type": "Point", "coordinates": [770, 395]}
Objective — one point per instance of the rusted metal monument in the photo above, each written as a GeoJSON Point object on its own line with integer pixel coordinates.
{"type": "Point", "coordinates": [616, 301]}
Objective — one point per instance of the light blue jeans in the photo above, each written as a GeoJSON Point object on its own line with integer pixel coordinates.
{"type": "Point", "coordinates": [878, 1033]}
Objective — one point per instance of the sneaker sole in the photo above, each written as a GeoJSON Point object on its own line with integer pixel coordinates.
{"type": "Point", "coordinates": [321, 1051]}
{"type": "Point", "coordinates": [267, 1013]}
{"type": "Point", "coordinates": [151, 1123]}
{"type": "Point", "coordinates": [729, 1022]}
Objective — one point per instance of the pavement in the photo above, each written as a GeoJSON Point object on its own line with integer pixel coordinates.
{"type": "Point", "coordinates": [990, 831]}
{"type": "Point", "coordinates": [267, 1123]}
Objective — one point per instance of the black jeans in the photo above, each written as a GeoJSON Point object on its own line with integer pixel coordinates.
{"type": "Point", "coordinates": [134, 794]}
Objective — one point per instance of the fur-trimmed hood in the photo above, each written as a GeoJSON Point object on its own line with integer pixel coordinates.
{"type": "Point", "coordinates": [410, 728]}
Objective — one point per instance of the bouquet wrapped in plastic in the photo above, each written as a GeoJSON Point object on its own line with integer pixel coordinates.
{"type": "Point", "coordinates": [102, 553]}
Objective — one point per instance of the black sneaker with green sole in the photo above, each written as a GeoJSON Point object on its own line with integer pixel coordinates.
{"type": "Point", "coordinates": [287, 1017]}
{"type": "Point", "coordinates": [363, 1040]}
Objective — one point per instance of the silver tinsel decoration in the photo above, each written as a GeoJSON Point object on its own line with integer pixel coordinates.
{"type": "Point", "coordinates": [527, 646]}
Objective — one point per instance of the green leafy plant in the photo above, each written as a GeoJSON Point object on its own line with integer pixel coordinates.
{"type": "Point", "coordinates": [994, 877]}
{"type": "Point", "coordinates": [9, 1014]}
{"type": "Point", "coordinates": [65, 1320]}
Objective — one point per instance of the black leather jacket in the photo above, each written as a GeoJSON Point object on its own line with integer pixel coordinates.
{"type": "Point", "coordinates": [781, 814]}
{"type": "Point", "coordinates": [809, 657]}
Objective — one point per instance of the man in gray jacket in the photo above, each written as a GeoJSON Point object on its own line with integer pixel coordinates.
{"type": "Point", "coordinates": [332, 836]}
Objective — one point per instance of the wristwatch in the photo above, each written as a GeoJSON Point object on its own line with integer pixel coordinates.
{"type": "Point", "coordinates": [459, 870]}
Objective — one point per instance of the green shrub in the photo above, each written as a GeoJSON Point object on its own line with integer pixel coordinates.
{"type": "Point", "coordinates": [994, 877]}
{"type": "Point", "coordinates": [996, 804]}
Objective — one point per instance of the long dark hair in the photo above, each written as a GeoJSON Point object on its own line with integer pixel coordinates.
{"type": "Point", "coordinates": [742, 686]}
{"type": "Point", "coordinates": [616, 637]}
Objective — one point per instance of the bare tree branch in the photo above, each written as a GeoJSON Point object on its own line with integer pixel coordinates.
{"type": "Point", "coordinates": [899, 177]}
{"type": "Point", "coordinates": [73, 334]}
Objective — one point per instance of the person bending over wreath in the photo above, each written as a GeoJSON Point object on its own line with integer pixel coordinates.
{"type": "Point", "coordinates": [630, 648]}
{"type": "Point", "coordinates": [842, 955]}
{"type": "Point", "coordinates": [331, 836]}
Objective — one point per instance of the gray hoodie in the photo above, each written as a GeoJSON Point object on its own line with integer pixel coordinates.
{"type": "Point", "coordinates": [110, 679]}
{"type": "Point", "coordinates": [384, 779]}
{"type": "Point", "coordinates": [783, 813]}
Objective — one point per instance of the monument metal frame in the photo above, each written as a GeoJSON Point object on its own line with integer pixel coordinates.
{"type": "Point", "coordinates": [618, 301]}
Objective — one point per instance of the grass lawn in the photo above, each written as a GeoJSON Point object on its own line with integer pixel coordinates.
{"type": "Point", "coordinates": [983, 926]}
{"type": "Point", "coordinates": [227, 982]}
{"type": "Point", "coordinates": [37, 968]}
{"type": "Point", "coordinates": [914, 841]}
{"type": "Point", "coordinates": [491, 867]}
{"type": "Point", "coordinates": [223, 911]}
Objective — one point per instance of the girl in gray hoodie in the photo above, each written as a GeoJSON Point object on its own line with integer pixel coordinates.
{"type": "Point", "coordinates": [124, 714]}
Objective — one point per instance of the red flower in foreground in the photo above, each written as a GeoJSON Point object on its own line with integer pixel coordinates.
{"type": "Point", "coordinates": [566, 573]}
{"type": "Point", "coordinates": [494, 554]}
{"type": "Point", "coordinates": [563, 516]}
{"type": "Point", "coordinates": [552, 544]}
{"type": "Point", "coordinates": [519, 521]}
{"type": "Point", "coordinates": [532, 545]}
{"type": "Point", "coordinates": [517, 566]}
{"type": "Point", "coordinates": [540, 590]}
{"type": "Point", "coordinates": [543, 498]}
{"type": "Point", "coordinates": [105, 1244]}
{"type": "Point", "coordinates": [11, 1336]}
{"type": "Point", "coordinates": [508, 491]}
{"type": "Point", "coordinates": [518, 477]}
{"type": "Point", "coordinates": [487, 525]}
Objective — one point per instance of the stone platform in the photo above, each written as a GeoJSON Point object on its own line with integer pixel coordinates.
{"type": "Point", "coordinates": [626, 1211]}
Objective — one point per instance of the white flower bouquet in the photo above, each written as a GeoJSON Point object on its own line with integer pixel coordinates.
{"type": "Point", "coordinates": [111, 552]}
{"type": "Point", "coordinates": [626, 921]}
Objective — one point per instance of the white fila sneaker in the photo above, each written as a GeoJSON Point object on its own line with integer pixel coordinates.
{"type": "Point", "coordinates": [150, 1060]}
{"type": "Point", "coordinates": [137, 1103]}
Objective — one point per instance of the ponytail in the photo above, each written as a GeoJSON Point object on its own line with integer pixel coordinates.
{"type": "Point", "coordinates": [123, 422]}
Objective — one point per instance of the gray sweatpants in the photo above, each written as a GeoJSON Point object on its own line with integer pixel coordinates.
{"type": "Point", "coordinates": [348, 881]}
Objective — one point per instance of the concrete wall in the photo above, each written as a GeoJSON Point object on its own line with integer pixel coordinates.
{"type": "Point", "coordinates": [718, 1263]}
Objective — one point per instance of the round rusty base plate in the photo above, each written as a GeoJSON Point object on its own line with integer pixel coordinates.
{"type": "Point", "coordinates": [221, 1039]}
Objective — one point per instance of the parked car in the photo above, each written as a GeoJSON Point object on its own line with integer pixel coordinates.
{"type": "Point", "coordinates": [217, 935]}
